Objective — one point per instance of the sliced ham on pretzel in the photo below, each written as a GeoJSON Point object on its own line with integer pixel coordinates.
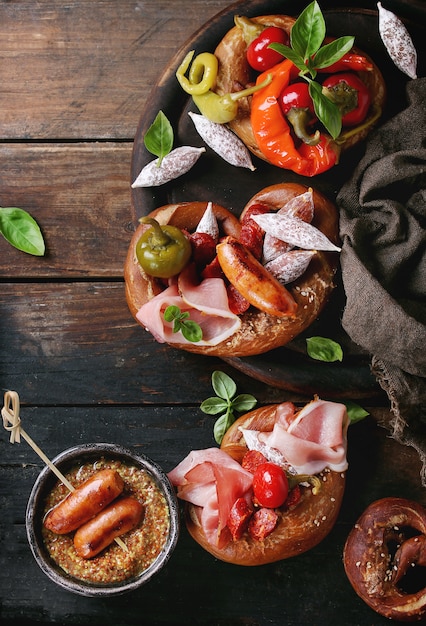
{"type": "Point", "coordinates": [273, 314]}
{"type": "Point", "coordinates": [217, 484]}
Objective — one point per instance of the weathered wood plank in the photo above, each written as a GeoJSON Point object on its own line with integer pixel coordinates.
{"type": "Point", "coordinates": [84, 69]}
{"type": "Point", "coordinates": [80, 196]}
{"type": "Point", "coordinates": [76, 343]}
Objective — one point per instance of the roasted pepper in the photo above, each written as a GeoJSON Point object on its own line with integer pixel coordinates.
{"type": "Point", "coordinates": [201, 79]}
{"type": "Point", "coordinates": [273, 134]}
{"type": "Point", "coordinates": [350, 95]}
{"type": "Point", "coordinates": [162, 251]}
{"type": "Point", "coordinates": [349, 61]}
{"type": "Point", "coordinates": [297, 105]}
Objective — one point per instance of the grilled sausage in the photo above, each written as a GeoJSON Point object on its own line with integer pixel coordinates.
{"type": "Point", "coordinates": [85, 502]}
{"type": "Point", "coordinates": [98, 533]}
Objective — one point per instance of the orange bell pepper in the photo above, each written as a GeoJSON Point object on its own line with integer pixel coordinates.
{"type": "Point", "coordinates": [273, 134]}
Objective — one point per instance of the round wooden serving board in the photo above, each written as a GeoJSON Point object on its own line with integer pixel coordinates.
{"type": "Point", "coordinates": [212, 179]}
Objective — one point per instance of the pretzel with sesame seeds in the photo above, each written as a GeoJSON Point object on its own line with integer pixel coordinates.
{"type": "Point", "coordinates": [383, 554]}
{"type": "Point", "coordinates": [266, 323]}
{"type": "Point", "coordinates": [300, 527]}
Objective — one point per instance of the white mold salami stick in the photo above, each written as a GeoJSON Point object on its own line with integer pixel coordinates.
{"type": "Point", "coordinates": [208, 223]}
{"type": "Point", "coordinates": [290, 265]}
{"type": "Point", "coordinates": [397, 42]}
{"type": "Point", "coordinates": [294, 231]}
{"type": "Point", "coordinates": [301, 206]}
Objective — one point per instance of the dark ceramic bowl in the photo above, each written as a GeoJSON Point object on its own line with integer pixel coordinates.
{"type": "Point", "coordinates": [45, 482]}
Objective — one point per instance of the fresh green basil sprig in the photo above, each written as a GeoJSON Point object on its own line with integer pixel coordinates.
{"type": "Point", "coordinates": [226, 402]}
{"type": "Point", "coordinates": [181, 322]}
{"type": "Point", "coordinates": [159, 137]}
{"type": "Point", "coordinates": [21, 230]}
{"type": "Point", "coordinates": [309, 55]}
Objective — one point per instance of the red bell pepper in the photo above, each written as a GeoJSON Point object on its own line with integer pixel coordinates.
{"type": "Point", "coordinates": [349, 61]}
{"type": "Point", "coordinates": [298, 107]}
{"type": "Point", "coordinates": [350, 94]}
{"type": "Point", "coordinates": [273, 134]}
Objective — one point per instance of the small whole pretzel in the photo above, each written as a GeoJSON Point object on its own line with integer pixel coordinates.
{"type": "Point", "coordinates": [388, 540]}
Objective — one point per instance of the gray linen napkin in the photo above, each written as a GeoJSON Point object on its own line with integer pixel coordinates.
{"type": "Point", "coordinates": [383, 259]}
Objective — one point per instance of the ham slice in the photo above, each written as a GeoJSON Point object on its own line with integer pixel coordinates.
{"type": "Point", "coordinates": [305, 443]}
{"type": "Point", "coordinates": [213, 480]}
{"type": "Point", "coordinates": [315, 439]}
{"type": "Point", "coordinates": [206, 303]}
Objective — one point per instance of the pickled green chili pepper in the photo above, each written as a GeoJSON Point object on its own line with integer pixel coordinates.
{"type": "Point", "coordinates": [251, 30]}
{"type": "Point", "coordinates": [202, 75]}
{"type": "Point", "coordinates": [162, 251]}
{"type": "Point", "coordinates": [223, 109]}
{"type": "Point", "coordinates": [201, 79]}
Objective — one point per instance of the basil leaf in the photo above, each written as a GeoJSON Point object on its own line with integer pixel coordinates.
{"type": "Point", "coordinates": [223, 385]}
{"type": "Point", "coordinates": [324, 349]}
{"type": "Point", "coordinates": [213, 405]}
{"type": "Point", "coordinates": [225, 389]}
{"type": "Point", "coordinates": [158, 138]}
{"type": "Point", "coordinates": [191, 331]}
{"type": "Point", "coordinates": [308, 31]}
{"type": "Point", "coordinates": [21, 231]}
{"type": "Point", "coordinates": [355, 412]}
{"type": "Point", "coordinates": [333, 52]}
{"type": "Point", "coordinates": [171, 313]}
{"type": "Point", "coordinates": [290, 54]}
{"type": "Point", "coordinates": [326, 111]}
{"type": "Point", "coordinates": [176, 325]}
{"type": "Point", "coordinates": [221, 426]}
{"type": "Point", "coordinates": [244, 402]}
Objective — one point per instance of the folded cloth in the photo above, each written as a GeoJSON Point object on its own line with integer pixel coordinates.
{"type": "Point", "coordinates": [383, 260]}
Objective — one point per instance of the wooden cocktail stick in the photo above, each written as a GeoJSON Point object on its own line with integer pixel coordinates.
{"type": "Point", "coordinates": [12, 423]}
{"type": "Point", "coordinates": [10, 414]}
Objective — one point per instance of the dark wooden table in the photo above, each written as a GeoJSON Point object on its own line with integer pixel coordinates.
{"type": "Point", "coordinates": [74, 79]}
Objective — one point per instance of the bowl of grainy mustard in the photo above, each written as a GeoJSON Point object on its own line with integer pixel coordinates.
{"type": "Point", "coordinates": [107, 524]}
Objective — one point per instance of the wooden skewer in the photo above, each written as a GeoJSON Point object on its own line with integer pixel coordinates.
{"type": "Point", "coordinates": [12, 423]}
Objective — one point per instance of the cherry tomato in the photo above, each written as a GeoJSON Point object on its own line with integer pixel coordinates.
{"type": "Point", "coordinates": [296, 96]}
{"type": "Point", "coordinates": [350, 94]}
{"type": "Point", "coordinates": [270, 485]}
{"type": "Point", "coordinates": [259, 56]}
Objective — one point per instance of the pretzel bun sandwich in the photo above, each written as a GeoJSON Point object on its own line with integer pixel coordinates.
{"type": "Point", "coordinates": [273, 489]}
{"type": "Point", "coordinates": [224, 286]}
{"type": "Point", "coordinates": [296, 105]}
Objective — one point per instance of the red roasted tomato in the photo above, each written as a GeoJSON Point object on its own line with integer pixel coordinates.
{"type": "Point", "coordinates": [270, 485]}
